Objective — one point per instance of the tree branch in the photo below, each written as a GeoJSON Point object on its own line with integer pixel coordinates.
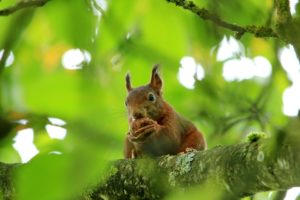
{"type": "Point", "coordinates": [22, 5]}
{"type": "Point", "coordinates": [242, 169]}
{"type": "Point", "coordinates": [258, 31]}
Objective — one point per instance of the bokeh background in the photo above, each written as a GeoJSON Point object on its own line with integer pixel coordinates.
{"type": "Point", "coordinates": [63, 87]}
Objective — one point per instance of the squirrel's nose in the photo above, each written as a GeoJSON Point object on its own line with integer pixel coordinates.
{"type": "Point", "coordinates": [138, 115]}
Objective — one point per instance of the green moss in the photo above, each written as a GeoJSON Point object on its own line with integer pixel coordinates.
{"type": "Point", "coordinates": [181, 166]}
{"type": "Point", "coordinates": [113, 170]}
{"type": "Point", "coordinates": [261, 31]}
{"type": "Point", "coordinates": [255, 136]}
{"type": "Point", "coordinates": [183, 163]}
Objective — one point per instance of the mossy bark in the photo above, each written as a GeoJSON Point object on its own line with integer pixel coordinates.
{"type": "Point", "coordinates": [242, 169]}
{"type": "Point", "coordinates": [7, 190]}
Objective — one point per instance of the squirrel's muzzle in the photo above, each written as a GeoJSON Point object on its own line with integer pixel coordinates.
{"type": "Point", "coordinates": [138, 115]}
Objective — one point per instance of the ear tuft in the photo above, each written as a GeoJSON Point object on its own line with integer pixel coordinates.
{"type": "Point", "coordinates": [156, 82]}
{"type": "Point", "coordinates": [155, 69]}
{"type": "Point", "coordinates": [128, 83]}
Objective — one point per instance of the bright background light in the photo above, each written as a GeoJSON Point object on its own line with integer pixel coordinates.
{"type": "Point", "coordinates": [10, 59]}
{"type": "Point", "coordinates": [56, 121]}
{"type": "Point", "coordinates": [293, 6]}
{"type": "Point", "coordinates": [189, 71]}
{"type": "Point", "coordinates": [74, 59]}
{"type": "Point", "coordinates": [56, 132]}
{"type": "Point", "coordinates": [292, 193]}
{"type": "Point", "coordinates": [291, 95]}
{"type": "Point", "coordinates": [24, 141]}
{"type": "Point", "coordinates": [24, 144]}
{"type": "Point", "coordinates": [238, 67]}
{"type": "Point", "coordinates": [229, 48]}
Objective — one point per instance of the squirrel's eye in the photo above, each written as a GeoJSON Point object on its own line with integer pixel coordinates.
{"type": "Point", "coordinates": [151, 97]}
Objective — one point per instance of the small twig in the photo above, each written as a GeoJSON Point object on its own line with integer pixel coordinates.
{"type": "Point", "coordinates": [22, 5]}
{"type": "Point", "coordinates": [258, 31]}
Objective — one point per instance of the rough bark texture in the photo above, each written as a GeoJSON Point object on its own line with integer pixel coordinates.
{"type": "Point", "coordinates": [242, 169]}
{"type": "Point", "coordinates": [7, 190]}
{"type": "Point", "coordinates": [239, 170]}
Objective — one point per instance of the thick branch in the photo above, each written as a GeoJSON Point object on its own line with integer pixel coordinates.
{"type": "Point", "coordinates": [22, 5]}
{"type": "Point", "coordinates": [258, 31]}
{"type": "Point", "coordinates": [242, 169]}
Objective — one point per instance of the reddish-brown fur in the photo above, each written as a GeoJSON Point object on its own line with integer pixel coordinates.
{"type": "Point", "coordinates": [155, 128]}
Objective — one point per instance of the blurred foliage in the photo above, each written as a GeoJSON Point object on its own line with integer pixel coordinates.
{"type": "Point", "coordinates": [127, 36]}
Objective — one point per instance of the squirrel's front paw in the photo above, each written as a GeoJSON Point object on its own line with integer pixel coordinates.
{"type": "Point", "coordinates": [143, 128]}
{"type": "Point", "coordinates": [140, 123]}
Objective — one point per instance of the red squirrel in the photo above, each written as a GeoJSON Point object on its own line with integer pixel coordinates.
{"type": "Point", "coordinates": [155, 127]}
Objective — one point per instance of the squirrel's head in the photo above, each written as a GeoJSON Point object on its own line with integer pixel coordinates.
{"type": "Point", "coordinates": [145, 101]}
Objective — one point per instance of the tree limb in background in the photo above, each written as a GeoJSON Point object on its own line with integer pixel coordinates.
{"type": "Point", "coordinates": [287, 27]}
{"type": "Point", "coordinates": [258, 31]}
{"type": "Point", "coordinates": [283, 11]}
{"type": "Point", "coordinates": [7, 189]}
{"type": "Point", "coordinates": [22, 5]}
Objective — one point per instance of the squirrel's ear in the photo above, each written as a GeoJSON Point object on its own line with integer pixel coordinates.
{"type": "Point", "coordinates": [128, 83]}
{"type": "Point", "coordinates": [156, 82]}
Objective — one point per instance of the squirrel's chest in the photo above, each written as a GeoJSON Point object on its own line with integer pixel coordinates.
{"type": "Point", "coordinates": [157, 147]}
